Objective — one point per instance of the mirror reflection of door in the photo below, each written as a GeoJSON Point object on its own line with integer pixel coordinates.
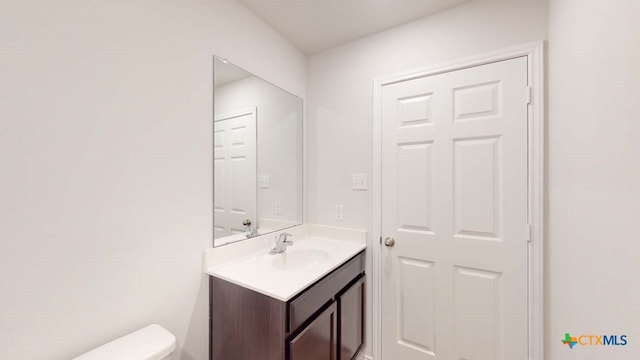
{"type": "Point", "coordinates": [235, 172]}
{"type": "Point", "coordinates": [259, 181]}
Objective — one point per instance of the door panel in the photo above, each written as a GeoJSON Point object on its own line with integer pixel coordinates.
{"type": "Point", "coordinates": [414, 198]}
{"type": "Point", "coordinates": [477, 313]}
{"type": "Point", "coordinates": [454, 198]}
{"type": "Point", "coordinates": [477, 188]}
{"type": "Point", "coordinates": [235, 188]}
{"type": "Point", "coordinates": [416, 309]}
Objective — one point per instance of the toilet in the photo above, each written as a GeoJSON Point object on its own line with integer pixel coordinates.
{"type": "Point", "coordinates": [149, 343]}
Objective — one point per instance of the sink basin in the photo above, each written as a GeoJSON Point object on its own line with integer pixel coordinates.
{"type": "Point", "coordinates": [296, 259]}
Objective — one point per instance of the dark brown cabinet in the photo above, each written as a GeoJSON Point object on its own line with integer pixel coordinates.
{"type": "Point", "coordinates": [351, 319]}
{"type": "Point", "coordinates": [317, 341]}
{"type": "Point", "coordinates": [323, 322]}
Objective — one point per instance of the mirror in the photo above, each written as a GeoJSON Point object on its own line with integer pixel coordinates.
{"type": "Point", "coordinates": [257, 162]}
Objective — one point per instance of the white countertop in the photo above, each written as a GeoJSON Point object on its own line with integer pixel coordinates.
{"type": "Point", "coordinates": [317, 251]}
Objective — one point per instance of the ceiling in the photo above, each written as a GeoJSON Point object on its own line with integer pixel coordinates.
{"type": "Point", "coordinates": [316, 25]}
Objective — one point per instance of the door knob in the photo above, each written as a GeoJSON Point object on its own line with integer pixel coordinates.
{"type": "Point", "coordinates": [389, 242]}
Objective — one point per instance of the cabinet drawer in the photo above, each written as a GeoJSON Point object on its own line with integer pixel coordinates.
{"type": "Point", "coordinates": [305, 305]}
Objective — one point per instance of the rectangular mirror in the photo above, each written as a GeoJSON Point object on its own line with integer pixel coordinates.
{"type": "Point", "coordinates": [257, 162]}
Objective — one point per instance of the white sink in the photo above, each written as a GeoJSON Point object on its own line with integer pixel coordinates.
{"type": "Point", "coordinates": [284, 275]}
{"type": "Point", "coordinates": [295, 259]}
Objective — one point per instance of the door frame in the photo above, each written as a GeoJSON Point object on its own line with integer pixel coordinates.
{"type": "Point", "coordinates": [534, 52]}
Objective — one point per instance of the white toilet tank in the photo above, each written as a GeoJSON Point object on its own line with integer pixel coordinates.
{"type": "Point", "coordinates": [149, 343]}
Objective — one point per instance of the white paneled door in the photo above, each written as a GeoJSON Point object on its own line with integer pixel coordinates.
{"type": "Point", "coordinates": [234, 160]}
{"type": "Point", "coordinates": [454, 215]}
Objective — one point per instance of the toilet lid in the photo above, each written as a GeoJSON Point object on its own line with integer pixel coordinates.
{"type": "Point", "coordinates": [150, 343]}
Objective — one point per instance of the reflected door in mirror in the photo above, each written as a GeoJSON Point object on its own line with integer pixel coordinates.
{"type": "Point", "coordinates": [235, 172]}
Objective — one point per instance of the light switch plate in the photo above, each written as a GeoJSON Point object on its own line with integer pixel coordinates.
{"type": "Point", "coordinates": [264, 181]}
{"type": "Point", "coordinates": [360, 182]}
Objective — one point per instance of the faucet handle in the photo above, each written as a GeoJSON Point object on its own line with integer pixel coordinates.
{"type": "Point", "coordinates": [281, 243]}
{"type": "Point", "coordinates": [282, 239]}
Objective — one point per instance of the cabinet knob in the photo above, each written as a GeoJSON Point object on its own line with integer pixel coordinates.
{"type": "Point", "coordinates": [389, 242]}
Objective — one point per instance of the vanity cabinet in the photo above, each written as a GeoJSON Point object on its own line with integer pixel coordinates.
{"type": "Point", "coordinates": [325, 321]}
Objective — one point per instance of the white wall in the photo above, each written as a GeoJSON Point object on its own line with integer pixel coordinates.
{"type": "Point", "coordinates": [593, 257]}
{"type": "Point", "coordinates": [106, 165]}
{"type": "Point", "coordinates": [340, 83]}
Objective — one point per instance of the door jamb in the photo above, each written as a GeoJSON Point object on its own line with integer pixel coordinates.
{"type": "Point", "coordinates": [534, 52]}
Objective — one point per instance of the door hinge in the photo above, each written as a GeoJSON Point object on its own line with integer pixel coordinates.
{"type": "Point", "coordinates": [529, 232]}
{"type": "Point", "coordinates": [529, 94]}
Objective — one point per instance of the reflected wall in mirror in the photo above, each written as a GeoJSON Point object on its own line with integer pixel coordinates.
{"type": "Point", "coordinates": [257, 162]}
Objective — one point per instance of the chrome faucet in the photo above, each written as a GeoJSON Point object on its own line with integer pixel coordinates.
{"type": "Point", "coordinates": [281, 243]}
{"type": "Point", "coordinates": [252, 232]}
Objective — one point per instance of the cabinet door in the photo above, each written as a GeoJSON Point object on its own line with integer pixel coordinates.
{"type": "Point", "coordinates": [351, 313]}
{"type": "Point", "coordinates": [317, 341]}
